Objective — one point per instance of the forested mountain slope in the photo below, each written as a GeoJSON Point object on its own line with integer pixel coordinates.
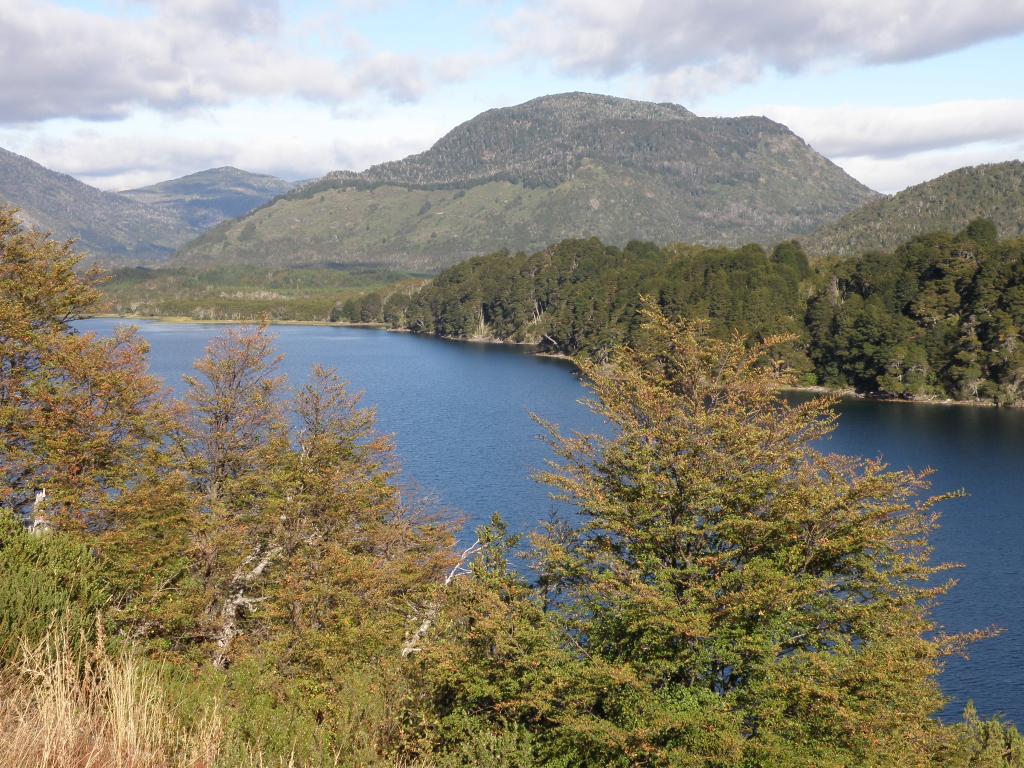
{"type": "Point", "coordinates": [109, 227]}
{"type": "Point", "coordinates": [139, 226]}
{"type": "Point", "coordinates": [568, 165]}
{"type": "Point", "coordinates": [950, 201]}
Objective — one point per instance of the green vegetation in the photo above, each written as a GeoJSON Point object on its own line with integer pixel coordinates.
{"type": "Point", "coordinates": [582, 296]}
{"type": "Point", "coordinates": [244, 293]}
{"type": "Point", "coordinates": [942, 317]}
{"type": "Point", "coordinates": [950, 201]}
{"type": "Point", "coordinates": [46, 580]}
{"type": "Point", "coordinates": [730, 597]}
{"type": "Point", "coordinates": [560, 166]}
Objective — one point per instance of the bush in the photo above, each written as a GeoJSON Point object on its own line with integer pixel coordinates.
{"type": "Point", "coordinates": [44, 577]}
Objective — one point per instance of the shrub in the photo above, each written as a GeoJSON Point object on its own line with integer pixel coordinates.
{"type": "Point", "coordinates": [43, 578]}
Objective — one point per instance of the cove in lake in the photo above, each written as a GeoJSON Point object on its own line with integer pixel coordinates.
{"type": "Point", "coordinates": [460, 414]}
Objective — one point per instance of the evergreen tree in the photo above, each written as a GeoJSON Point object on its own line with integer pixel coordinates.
{"type": "Point", "coordinates": [45, 580]}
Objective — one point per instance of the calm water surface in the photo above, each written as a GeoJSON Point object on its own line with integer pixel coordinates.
{"type": "Point", "coordinates": [460, 416]}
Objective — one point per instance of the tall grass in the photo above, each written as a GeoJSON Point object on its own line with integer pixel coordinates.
{"type": "Point", "coordinates": [66, 702]}
{"type": "Point", "coordinates": [65, 706]}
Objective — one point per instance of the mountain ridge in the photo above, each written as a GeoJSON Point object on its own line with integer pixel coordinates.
{"type": "Point", "coordinates": [559, 166]}
{"type": "Point", "coordinates": [206, 198]}
{"type": "Point", "coordinates": [106, 225]}
{"type": "Point", "coordinates": [948, 202]}
{"type": "Point", "coordinates": [415, 170]}
{"type": "Point", "coordinates": [144, 226]}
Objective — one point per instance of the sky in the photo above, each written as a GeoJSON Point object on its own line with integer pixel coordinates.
{"type": "Point", "coordinates": [122, 93]}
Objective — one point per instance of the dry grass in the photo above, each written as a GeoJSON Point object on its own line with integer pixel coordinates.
{"type": "Point", "coordinates": [64, 708]}
{"type": "Point", "coordinates": [64, 704]}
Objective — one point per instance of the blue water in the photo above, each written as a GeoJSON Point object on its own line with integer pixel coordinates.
{"type": "Point", "coordinates": [460, 414]}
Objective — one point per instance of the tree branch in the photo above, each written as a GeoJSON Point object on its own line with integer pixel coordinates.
{"type": "Point", "coordinates": [460, 568]}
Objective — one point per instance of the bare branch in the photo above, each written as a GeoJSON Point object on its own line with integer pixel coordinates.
{"type": "Point", "coordinates": [460, 568]}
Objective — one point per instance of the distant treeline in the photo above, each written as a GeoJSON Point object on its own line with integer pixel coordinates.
{"type": "Point", "coordinates": [942, 316]}
{"type": "Point", "coordinates": [241, 292]}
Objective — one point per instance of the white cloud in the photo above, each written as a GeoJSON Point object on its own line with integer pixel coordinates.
{"type": "Point", "coordinates": [292, 141]}
{"type": "Point", "coordinates": [177, 55]}
{"type": "Point", "coordinates": [890, 148]}
{"type": "Point", "coordinates": [693, 40]}
{"type": "Point", "coordinates": [891, 174]}
{"type": "Point", "coordinates": [887, 132]}
{"type": "Point", "coordinates": [697, 81]}
{"type": "Point", "coordinates": [182, 85]}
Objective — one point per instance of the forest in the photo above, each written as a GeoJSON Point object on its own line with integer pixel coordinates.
{"type": "Point", "coordinates": [233, 577]}
{"type": "Point", "coordinates": [941, 317]}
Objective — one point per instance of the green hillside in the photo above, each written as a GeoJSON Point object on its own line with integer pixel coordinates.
{"type": "Point", "coordinates": [950, 201]}
{"type": "Point", "coordinates": [243, 293]}
{"type": "Point", "coordinates": [559, 166]}
{"type": "Point", "coordinates": [139, 226]}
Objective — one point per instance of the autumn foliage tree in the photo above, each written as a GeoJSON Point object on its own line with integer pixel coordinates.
{"type": "Point", "coordinates": [76, 411]}
{"type": "Point", "coordinates": [247, 529]}
{"type": "Point", "coordinates": [727, 565]}
{"type": "Point", "coordinates": [731, 594]}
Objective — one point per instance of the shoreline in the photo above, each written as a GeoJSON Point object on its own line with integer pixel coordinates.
{"type": "Point", "coordinates": [850, 394]}
{"type": "Point", "coordinates": [187, 320]}
{"type": "Point", "coordinates": [492, 341]}
{"type": "Point", "coordinates": [809, 389]}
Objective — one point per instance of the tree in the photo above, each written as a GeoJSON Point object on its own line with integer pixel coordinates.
{"type": "Point", "coordinates": [77, 413]}
{"type": "Point", "coordinates": [984, 744]}
{"type": "Point", "coordinates": [730, 577]}
{"type": "Point", "coordinates": [492, 674]}
{"type": "Point", "coordinates": [982, 231]}
{"type": "Point", "coordinates": [965, 371]}
{"type": "Point", "coordinates": [354, 554]}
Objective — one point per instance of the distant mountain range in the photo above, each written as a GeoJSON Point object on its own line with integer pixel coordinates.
{"type": "Point", "coordinates": [559, 166]}
{"type": "Point", "coordinates": [519, 178]}
{"type": "Point", "coordinates": [948, 203]}
{"type": "Point", "coordinates": [110, 227]}
{"type": "Point", "coordinates": [139, 226]}
{"type": "Point", "coordinates": [207, 198]}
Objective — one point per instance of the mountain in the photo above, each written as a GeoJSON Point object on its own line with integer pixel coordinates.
{"type": "Point", "coordinates": [140, 226]}
{"type": "Point", "coordinates": [110, 227]}
{"type": "Point", "coordinates": [948, 202]}
{"type": "Point", "coordinates": [561, 166]}
{"type": "Point", "coordinates": [209, 197]}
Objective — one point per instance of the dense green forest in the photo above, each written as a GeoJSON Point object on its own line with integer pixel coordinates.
{"type": "Point", "coordinates": [941, 317]}
{"type": "Point", "coordinates": [231, 577]}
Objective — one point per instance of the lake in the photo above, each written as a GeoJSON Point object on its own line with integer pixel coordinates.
{"type": "Point", "coordinates": [460, 414]}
